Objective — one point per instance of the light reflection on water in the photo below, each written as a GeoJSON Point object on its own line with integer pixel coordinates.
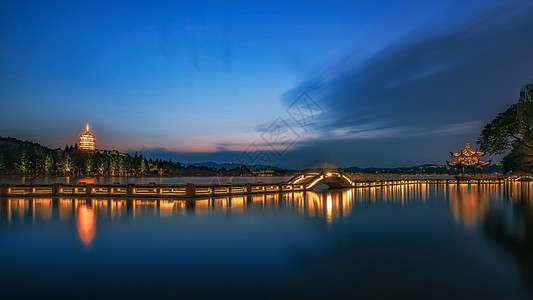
{"type": "Point", "coordinates": [327, 205]}
{"type": "Point", "coordinates": [350, 240]}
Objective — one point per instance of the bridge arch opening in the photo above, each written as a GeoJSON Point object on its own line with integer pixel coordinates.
{"type": "Point", "coordinates": [322, 187]}
{"type": "Point", "coordinates": [333, 180]}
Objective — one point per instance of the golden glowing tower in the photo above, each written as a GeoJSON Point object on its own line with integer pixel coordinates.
{"type": "Point", "coordinates": [87, 140]}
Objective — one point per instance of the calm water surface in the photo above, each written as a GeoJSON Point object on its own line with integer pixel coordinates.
{"type": "Point", "coordinates": [410, 242]}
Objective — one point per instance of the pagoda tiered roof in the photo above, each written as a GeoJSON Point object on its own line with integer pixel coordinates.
{"type": "Point", "coordinates": [468, 164]}
{"type": "Point", "coordinates": [467, 152]}
{"type": "Point", "coordinates": [468, 158]}
{"type": "Point", "coordinates": [87, 140]}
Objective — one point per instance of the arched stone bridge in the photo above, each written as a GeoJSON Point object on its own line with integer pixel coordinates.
{"type": "Point", "coordinates": [335, 180]}
{"type": "Point", "coordinates": [303, 182]}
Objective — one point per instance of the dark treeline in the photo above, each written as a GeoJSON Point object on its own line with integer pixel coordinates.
{"type": "Point", "coordinates": [426, 169]}
{"type": "Point", "coordinates": [511, 133]}
{"type": "Point", "coordinates": [27, 158]}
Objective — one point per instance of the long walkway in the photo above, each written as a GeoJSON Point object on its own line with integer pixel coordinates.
{"type": "Point", "coordinates": [302, 182]}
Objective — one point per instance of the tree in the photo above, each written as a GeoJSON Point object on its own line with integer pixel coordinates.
{"type": "Point", "coordinates": [89, 166]}
{"type": "Point", "coordinates": [67, 163]}
{"type": "Point", "coordinates": [102, 167]}
{"type": "Point", "coordinates": [512, 132]}
{"type": "Point", "coordinates": [23, 164]}
{"type": "Point", "coordinates": [122, 166]}
{"type": "Point", "coordinates": [525, 113]}
{"type": "Point", "coordinates": [113, 165]}
{"type": "Point", "coordinates": [519, 159]}
{"type": "Point", "coordinates": [144, 166]}
{"type": "Point", "coordinates": [49, 164]}
{"type": "Point", "coordinates": [1, 162]}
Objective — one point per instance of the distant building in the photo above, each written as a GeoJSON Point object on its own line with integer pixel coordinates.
{"type": "Point", "coordinates": [468, 159]}
{"type": "Point", "coordinates": [87, 140]}
{"type": "Point", "coordinates": [263, 172]}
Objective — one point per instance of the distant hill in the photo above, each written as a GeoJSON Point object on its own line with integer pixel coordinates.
{"type": "Point", "coordinates": [230, 165]}
{"type": "Point", "coordinates": [421, 169]}
{"type": "Point", "coordinates": [212, 164]}
{"type": "Point", "coordinates": [9, 144]}
{"type": "Point", "coordinates": [11, 150]}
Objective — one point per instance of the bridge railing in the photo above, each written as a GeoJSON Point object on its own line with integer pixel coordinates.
{"type": "Point", "coordinates": [195, 190]}
{"type": "Point", "coordinates": [182, 190]}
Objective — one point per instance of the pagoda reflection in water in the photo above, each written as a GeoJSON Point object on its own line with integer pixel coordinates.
{"type": "Point", "coordinates": [469, 203]}
{"type": "Point", "coordinates": [86, 221]}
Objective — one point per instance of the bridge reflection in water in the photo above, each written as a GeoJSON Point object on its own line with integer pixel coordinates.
{"type": "Point", "coordinates": [469, 204]}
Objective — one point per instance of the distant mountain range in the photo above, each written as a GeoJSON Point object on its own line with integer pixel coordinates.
{"type": "Point", "coordinates": [230, 165]}
{"type": "Point", "coordinates": [162, 153]}
{"type": "Point", "coordinates": [421, 169]}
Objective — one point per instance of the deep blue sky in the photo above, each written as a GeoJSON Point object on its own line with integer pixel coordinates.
{"type": "Point", "coordinates": [400, 82]}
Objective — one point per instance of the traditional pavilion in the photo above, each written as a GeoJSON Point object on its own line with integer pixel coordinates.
{"type": "Point", "coordinates": [468, 158]}
{"type": "Point", "coordinates": [87, 140]}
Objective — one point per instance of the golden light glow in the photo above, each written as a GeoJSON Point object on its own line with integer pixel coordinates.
{"type": "Point", "coordinates": [17, 206]}
{"type": "Point", "coordinates": [43, 207]}
{"type": "Point", "coordinates": [221, 203]}
{"type": "Point", "coordinates": [468, 158]}
{"type": "Point", "coordinates": [65, 208]}
{"type": "Point", "coordinates": [329, 209]}
{"type": "Point", "coordinates": [87, 180]}
{"type": "Point", "coordinates": [117, 208]}
{"type": "Point", "coordinates": [346, 199]}
{"type": "Point", "coordinates": [166, 207]}
{"type": "Point", "coordinates": [202, 207]}
{"type": "Point", "coordinates": [86, 221]}
{"type": "Point", "coordinates": [237, 204]}
{"type": "Point", "coordinates": [87, 140]}
{"type": "Point", "coordinates": [312, 185]}
{"type": "Point", "coordinates": [311, 180]}
{"type": "Point", "coordinates": [469, 204]}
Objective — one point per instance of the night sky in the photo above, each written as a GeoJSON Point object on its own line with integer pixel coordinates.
{"type": "Point", "coordinates": [392, 83]}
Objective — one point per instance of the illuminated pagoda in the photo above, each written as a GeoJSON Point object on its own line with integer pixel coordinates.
{"type": "Point", "coordinates": [468, 158]}
{"type": "Point", "coordinates": [87, 140]}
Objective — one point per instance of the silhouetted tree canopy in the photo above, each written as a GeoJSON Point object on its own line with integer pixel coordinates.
{"type": "Point", "coordinates": [27, 158]}
{"type": "Point", "coordinates": [512, 132]}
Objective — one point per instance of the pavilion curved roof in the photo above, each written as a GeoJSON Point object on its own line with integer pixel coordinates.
{"type": "Point", "coordinates": [468, 164]}
{"type": "Point", "coordinates": [467, 152]}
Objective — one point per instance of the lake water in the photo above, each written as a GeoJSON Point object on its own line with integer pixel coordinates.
{"type": "Point", "coordinates": [406, 242]}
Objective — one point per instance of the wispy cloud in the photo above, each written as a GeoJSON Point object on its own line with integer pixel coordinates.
{"type": "Point", "coordinates": [473, 127]}
{"type": "Point", "coordinates": [440, 82]}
